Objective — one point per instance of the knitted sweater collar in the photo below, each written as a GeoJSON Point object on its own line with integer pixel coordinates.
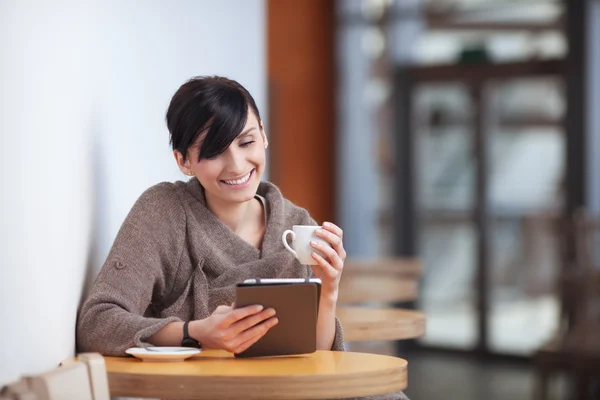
{"type": "Point", "coordinates": [276, 219]}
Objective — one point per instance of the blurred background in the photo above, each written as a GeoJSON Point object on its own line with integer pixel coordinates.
{"type": "Point", "coordinates": [462, 133]}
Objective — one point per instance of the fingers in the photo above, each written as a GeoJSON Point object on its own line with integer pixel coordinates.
{"type": "Point", "coordinates": [252, 335]}
{"type": "Point", "coordinates": [330, 253]}
{"type": "Point", "coordinates": [333, 235]}
{"type": "Point", "coordinates": [240, 348]}
{"type": "Point", "coordinates": [248, 322]}
{"type": "Point", "coordinates": [327, 271]}
{"type": "Point", "coordinates": [334, 229]}
{"type": "Point", "coordinates": [241, 313]}
{"type": "Point", "coordinates": [329, 237]}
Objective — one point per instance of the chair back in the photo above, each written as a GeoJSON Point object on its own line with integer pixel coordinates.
{"type": "Point", "coordinates": [98, 376]}
{"type": "Point", "coordinates": [18, 390]}
{"type": "Point", "coordinates": [68, 382]}
{"type": "Point", "coordinates": [379, 281]}
{"type": "Point", "coordinates": [83, 378]}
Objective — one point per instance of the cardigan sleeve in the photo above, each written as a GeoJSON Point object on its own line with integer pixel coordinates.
{"type": "Point", "coordinates": [141, 264]}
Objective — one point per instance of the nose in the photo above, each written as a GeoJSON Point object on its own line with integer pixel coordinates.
{"type": "Point", "coordinates": [236, 161]}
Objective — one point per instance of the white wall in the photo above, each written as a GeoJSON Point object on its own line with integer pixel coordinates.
{"type": "Point", "coordinates": [144, 55]}
{"type": "Point", "coordinates": [84, 89]}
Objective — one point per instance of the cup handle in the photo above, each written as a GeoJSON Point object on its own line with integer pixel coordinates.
{"type": "Point", "coordinates": [285, 243]}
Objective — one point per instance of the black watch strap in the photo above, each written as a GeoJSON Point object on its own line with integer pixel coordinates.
{"type": "Point", "coordinates": [188, 341]}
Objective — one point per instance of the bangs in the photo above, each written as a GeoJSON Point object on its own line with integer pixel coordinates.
{"type": "Point", "coordinates": [229, 116]}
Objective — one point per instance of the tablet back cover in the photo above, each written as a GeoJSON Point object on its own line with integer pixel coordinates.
{"type": "Point", "coordinates": [296, 307]}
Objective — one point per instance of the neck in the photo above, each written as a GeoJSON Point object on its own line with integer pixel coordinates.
{"type": "Point", "coordinates": [234, 215]}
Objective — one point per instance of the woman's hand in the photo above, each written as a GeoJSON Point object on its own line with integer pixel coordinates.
{"type": "Point", "coordinates": [329, 269]}
{"type": "Point", "coordinates": [233, 330]}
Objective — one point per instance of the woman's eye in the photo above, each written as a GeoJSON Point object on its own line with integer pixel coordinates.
{"type": "Point", "coordinates": [247, 144]}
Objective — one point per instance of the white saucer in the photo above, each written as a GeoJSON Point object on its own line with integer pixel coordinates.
{"type": "Point", "coordinates": [162, 354]}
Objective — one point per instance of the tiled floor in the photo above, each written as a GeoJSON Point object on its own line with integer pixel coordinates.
{"type": "Point", "coordinates": [434, 376]}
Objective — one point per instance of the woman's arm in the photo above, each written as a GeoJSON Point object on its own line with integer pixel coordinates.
{"type": "Point", "coordinates": [170, 335]}
{"type": "Point", "coordinates": [326, 323]}
{"type": "Point", "coordinates": [226, 328]}
{"type": "Point", "coordinates": [329, 270]}
{"type": "Point", "coordinates": [138, 270]}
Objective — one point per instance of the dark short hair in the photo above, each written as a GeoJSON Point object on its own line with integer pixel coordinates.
{"type": "Point", "coordinates": [212, 106]}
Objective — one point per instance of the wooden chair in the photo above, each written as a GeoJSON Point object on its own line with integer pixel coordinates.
{"type": "Point", "coordinates": [84, 379]}
{"type": "Point", "coordinates": [18, 390]}
{"type": "Point", "coordinates": [70, 381]}
{"type": "Point", "coordinates": [97, 373]}
{"type": "Point", "coordinates": [368, 291]}
{"type": "Point", "coordinates": [576, 346]}
{"type": "Point", "coordinates": [407, 267]}
{"type": "Point", "coordinates": [379, 281]}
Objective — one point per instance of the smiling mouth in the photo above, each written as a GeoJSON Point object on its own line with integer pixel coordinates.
{"type": "Point", "coordinates": [236, 182]}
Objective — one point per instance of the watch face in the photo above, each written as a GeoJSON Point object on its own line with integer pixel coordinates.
{"type": "Point", "coordinates": [189, 342]}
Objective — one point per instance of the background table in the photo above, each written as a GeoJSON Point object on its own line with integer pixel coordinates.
{"type": "Point", "coordinates": [215, 374]}
{"type": "Point", "coordinates": [370, 324]}
{"type": "Point", "coordinates": [358, 288]}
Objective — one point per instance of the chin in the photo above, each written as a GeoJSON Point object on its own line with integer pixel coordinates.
{"type": "Point", "coordinates": [241, 195]}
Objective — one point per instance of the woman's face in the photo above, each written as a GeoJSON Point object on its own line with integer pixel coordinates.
{"type": "Point", "coordinates": [234, 175]}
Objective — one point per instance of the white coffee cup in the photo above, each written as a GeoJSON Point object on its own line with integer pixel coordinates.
{"type": "Point", "coordinates": [301, 238]}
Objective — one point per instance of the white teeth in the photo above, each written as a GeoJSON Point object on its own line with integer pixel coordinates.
{"type": "Point", "coordinates": [240, 181]}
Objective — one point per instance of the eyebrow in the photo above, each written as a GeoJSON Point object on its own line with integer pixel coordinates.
{"type": "Point", "coordinates": [246, 132]}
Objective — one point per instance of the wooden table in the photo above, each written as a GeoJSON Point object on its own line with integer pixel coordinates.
{"type": "Point", "coordinates": [215, 374]}
{"type": "Point", "coordinates": [370, 324]}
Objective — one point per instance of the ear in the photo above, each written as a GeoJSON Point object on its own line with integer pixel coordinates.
{"type": "Point", "coordinates": [264, 136]}
{"type": "Point", "coordinates": [182, 162]}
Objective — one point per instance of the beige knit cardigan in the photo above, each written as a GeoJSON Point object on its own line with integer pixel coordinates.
{"type": "Point", "coordinates": [174, 260]}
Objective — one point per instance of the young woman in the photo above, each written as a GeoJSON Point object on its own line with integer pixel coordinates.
{"type": "Point", "coordinates": [185, 245]}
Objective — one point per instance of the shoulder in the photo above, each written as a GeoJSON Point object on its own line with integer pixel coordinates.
{"type": "Point", "coordinates": [155, 225]}
{"type": "Point", "coordinates": [164, 191]}
{"type": "Point", "coordinates": [157, 202]}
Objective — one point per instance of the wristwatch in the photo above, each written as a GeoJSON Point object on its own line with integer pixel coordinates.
{"type": "Point", "coordinates": [188, 341]}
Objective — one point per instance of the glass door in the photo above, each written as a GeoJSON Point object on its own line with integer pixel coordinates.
{"type": "Point", "coordinates": [489, 158]}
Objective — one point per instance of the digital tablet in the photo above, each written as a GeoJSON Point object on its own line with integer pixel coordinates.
{"type": "Point", "coordinates": [296, 303]}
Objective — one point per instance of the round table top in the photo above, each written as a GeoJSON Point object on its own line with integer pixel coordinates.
{"type": "Point", "coordinates": [216, 374]}
{"type": "Point", "coordinates": [362, 324]}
